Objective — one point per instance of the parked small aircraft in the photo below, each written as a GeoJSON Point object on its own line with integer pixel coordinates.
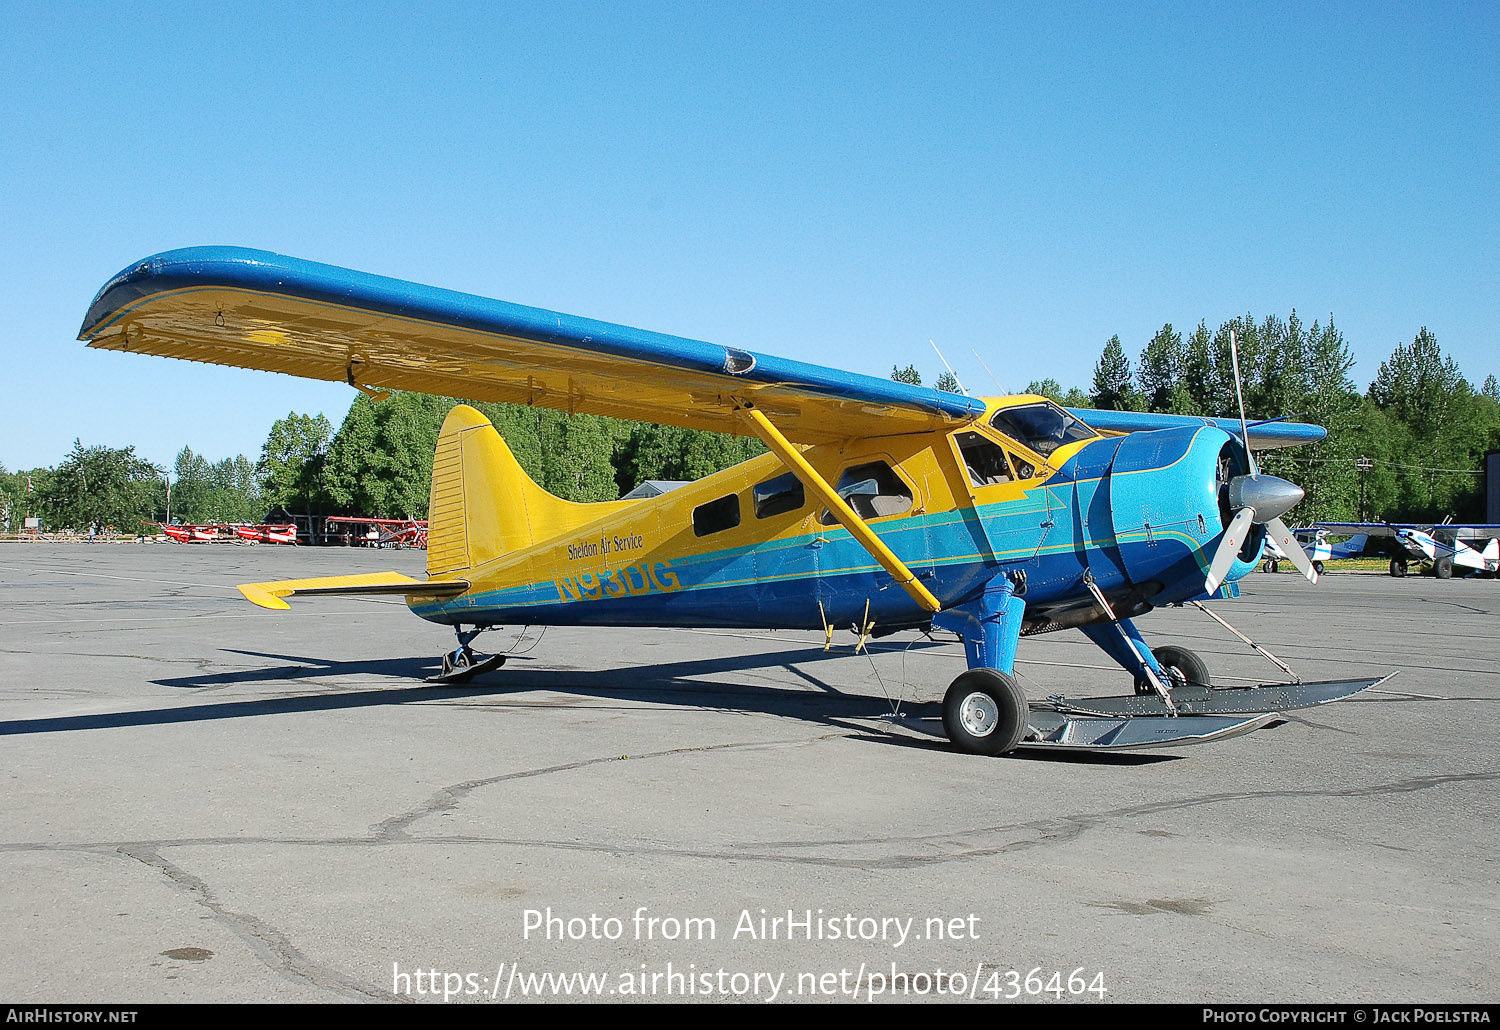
{"type": "Point", "coordinates": [1440, 546]}
{"type": "Point", "coordinates": [1316, 545]}
{"type": "Point", "coordinates": [383, 532]}
{"type": "Point", "coordinates": [206, 534]}
{"type": "Point", "coordinates": [991, 518]}
{"type": "Point", "coordinates": [267, 533]}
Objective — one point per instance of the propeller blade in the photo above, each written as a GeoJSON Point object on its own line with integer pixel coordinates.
{"type": "Point", "coordinates": [1234, 539]}
{"type": "Point", "coordinates": [1289, 546]}
{"type": "Point", "coordinates": [1234, 356]}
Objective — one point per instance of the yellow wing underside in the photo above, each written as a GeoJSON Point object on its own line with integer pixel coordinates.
{"type": "Point", "coordinates": [374, 351]}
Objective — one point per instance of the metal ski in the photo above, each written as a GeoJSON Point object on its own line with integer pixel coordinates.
{"type": "Point", "coordinates": [1057, 731]}
{"type": "Point", "coordinates": [1195, 700]}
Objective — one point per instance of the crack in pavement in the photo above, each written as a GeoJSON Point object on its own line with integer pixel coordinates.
{"type": "Point", "coordinates": [272, 947]}
{"type": "Point", "coordinates": [275, 950]}
{"type": "Point", "coordinates": [447, 798]}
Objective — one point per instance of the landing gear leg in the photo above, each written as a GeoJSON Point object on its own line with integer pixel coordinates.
{"type": "Point", "coordinates": [1124, 643]}
{"type": "Point", "coordinates": [1183, 668]}
{"type": "Point", "coordinates": [985, 712]}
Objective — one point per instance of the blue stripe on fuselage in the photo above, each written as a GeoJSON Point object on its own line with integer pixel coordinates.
{"type": "Point", "coordinates": [781, 583]}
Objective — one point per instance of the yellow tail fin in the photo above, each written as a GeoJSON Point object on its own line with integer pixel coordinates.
{"type": "Point", "coordinates": [484, 505]}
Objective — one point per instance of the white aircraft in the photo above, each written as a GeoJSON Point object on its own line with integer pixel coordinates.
{"type": "Point", "coordinates": [1317, 546]}
{"type": "Point", "coordinates": [1441, 546]}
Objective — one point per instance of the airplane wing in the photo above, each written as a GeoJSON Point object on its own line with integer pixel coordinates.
{"type": "Point", "coordinates": [1367, 528]}
{"type": "Point", "coordinates": [1264, 436]}
{"type": "Point", "coordinates": [255, 309]}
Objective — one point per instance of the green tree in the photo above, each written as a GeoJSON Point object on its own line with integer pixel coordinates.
{"type": "Point", "coordinates": [1200, 380]}
{"type": "Point", "coordinates": [224, 491]}
{"type": "Point", "coordinates": [1049, 388]}
{"type": "Point", "coordinates": [1314, 386]}
{"type": "Point", "coordinates": [100, 486]}
{"type": "Point", "coordinates": [1112, 379]}
{"type": "Point", "coordinates": [909, 374]}
{"type": "Point", "coordinates": [948, 382]}
{"type": "Point", "coordinates": [1421, 389]}
{"type": "Point", "coordinates": [1161, 369]}
{"type": "Point", "coordinates": [673, 453]}
{"type": "Point", "coordinates": [291, 462]}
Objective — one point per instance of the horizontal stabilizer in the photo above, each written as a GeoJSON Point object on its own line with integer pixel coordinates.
{"type": "Point", "coordinates": [269, 595]}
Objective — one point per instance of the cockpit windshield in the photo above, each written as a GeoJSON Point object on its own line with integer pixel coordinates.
{"type": "Point", "coordinates": [1044, 427]}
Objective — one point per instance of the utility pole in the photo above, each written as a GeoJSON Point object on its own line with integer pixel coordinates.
{"type": "Point", "coordinates": [1364, 465]}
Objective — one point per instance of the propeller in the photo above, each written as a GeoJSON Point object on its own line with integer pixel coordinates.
{"type": "Point", "coordinates": [1256, 500]}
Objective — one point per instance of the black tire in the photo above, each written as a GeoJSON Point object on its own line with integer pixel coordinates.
{"type": "Point", "coordinates": [985, 712]}
{"type": "Point", "coordinates": [1269, 565]}
{"type": "Point", "coordinates": [1443, 568]}
{"type": "Point", "coordinates": [1187, 664]}
{"type": "Point", "coordinates": [1318, 567]}
{"type": "Point", "coordinates": [1398, 567]}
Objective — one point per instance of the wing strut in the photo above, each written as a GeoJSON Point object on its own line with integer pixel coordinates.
{"type": "Point", "coordinates": [857, 527]}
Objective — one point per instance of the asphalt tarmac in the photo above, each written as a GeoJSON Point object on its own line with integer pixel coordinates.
{"type": "Point", "coordinates": [208, 802]}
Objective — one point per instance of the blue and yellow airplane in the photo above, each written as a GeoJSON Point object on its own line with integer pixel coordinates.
{"type": "Point", "coordinates": [878, 504]}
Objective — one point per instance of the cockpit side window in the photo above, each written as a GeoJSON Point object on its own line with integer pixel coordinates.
{"type": "Point", "coordinates": [872, 489]}
{"type": "Point", "coordinates": [779, 495]}
{"type": "Point", "coordinates": [1044, 427]}
{"type": "Point", "coordinates": [984, 460]}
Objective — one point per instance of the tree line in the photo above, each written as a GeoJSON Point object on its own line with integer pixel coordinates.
{"type": "Point", "coordinates": [378, 463]}
{"type": "Point", "coordinates": [1407, 448]}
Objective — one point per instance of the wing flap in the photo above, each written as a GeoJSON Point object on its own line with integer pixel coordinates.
{"type": "Point", "coordinates": [271, 595]}
{"type": "Point", "coordinates": [258, 310]}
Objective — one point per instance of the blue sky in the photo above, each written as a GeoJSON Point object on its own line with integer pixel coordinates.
{"type": "Point", "coordinates": [836, 183]}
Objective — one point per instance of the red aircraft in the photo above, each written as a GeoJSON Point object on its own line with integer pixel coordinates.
{"type": "Point", "coordinates": [267, 534]}
{"type": "Point", "coordinates": [189, 534]}
{"type": "Point", "coordinates": [396, 532]}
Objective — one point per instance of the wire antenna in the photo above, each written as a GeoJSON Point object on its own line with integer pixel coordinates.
{"type": "Point", "coordinates": [986, 369]}
{"type": "Point", "coordinates": [950, 369]}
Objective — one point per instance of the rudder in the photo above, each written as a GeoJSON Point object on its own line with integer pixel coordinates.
{"type": "Point", "coordinates": [483, 505]}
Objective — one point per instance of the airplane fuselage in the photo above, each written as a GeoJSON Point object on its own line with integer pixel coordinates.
{"type": "Point", "coordinates": [747, 547]}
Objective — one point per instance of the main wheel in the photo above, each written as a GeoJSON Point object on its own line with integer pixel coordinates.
{"type": "Point", "coordinates": [985, 712]}
{"type": "Point", "coordinates": [1318, 567]}
{"type": "Point", "coordinates": [1184, 668]}
{"type": "Point", "coordinates": [1269, 565]}
{"type": "Point", "coordinates": [1398, 567]}
{"type": "Point", "coordinates": [1443, 568]}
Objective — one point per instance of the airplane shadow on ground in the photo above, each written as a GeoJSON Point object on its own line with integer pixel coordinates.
{"type": "Point", "coordinates": [672, 684]}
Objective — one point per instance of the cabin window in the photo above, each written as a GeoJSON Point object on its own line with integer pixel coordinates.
{"type": "Point", "coordinates": [1043, 427]}
{"type": "Point", "coordinates": [778, 496]}
{"type": "Point", "coordinates": [872, 490]}
{"type": "Point", "coordinates": [983, 459]}
{"type": "Point", "coordinates": [716, 516]}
